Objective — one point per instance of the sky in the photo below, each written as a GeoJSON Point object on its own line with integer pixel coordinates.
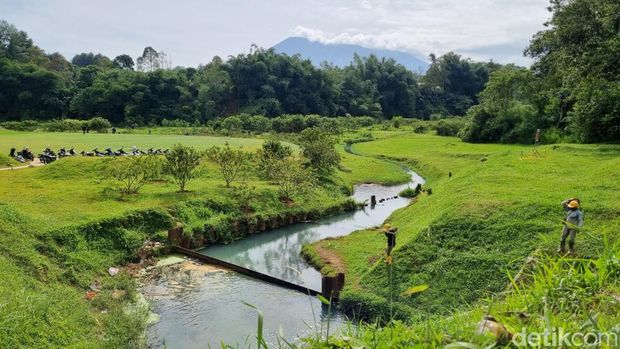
{"type": "Point", "coordinates": [192, 32]}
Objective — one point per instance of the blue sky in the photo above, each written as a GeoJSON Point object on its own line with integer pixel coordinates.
{"type": "Point", "coordinates": [192, 32]}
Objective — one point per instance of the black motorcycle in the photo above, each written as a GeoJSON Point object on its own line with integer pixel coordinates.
{"type": "Point", "coordinates": [47, 156]}
{"type": "Point", "coordinates": [98, 153]}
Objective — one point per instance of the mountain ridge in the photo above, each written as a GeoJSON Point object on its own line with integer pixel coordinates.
{"type": "Point", "coordinates": [342, 54]}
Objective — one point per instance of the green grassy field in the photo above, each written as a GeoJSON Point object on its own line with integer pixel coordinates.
{"type": "Point", "coordinates": [62, 225]}
{"type": "Point", "coordinates": [501, 203]}
{"type": "Point", "coordinates": [37, 141]}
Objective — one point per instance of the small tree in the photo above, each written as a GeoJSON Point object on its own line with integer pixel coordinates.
{"type": "Point", "coordinates": [244, 196]}
{"type": "Point", "coordinates": [292, 177]}
{"type": "Point", "coordinates": [318, 149]}
{"type": "Point", "coordinates": [231, 163]}
{"type": "Point", "coordinates": [98, 124]}
{"type": "Point", "coordinates": [134, 172]}
{"type": "Point", "coordinates": [182, 163]}
{"type": "Point", "coordinates": [270, 154]}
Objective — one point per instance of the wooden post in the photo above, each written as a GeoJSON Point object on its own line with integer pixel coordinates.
{"type": "Point", "coordinates": [175, 235]}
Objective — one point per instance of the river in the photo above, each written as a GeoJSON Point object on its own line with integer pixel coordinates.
{"type": "Point", "coordinates": [211, 311]}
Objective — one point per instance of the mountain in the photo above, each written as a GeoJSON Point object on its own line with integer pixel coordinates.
{"type": "Point", "coordinates": [342, 54]}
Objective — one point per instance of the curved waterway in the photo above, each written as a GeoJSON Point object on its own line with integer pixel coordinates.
{"type": "Point", "coordinates": [208, 309]}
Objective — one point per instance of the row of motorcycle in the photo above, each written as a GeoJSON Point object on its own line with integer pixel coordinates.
{"type": "Point", "coordinates": [48, 155]}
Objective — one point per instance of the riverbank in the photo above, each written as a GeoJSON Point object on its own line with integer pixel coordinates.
{"type": "Point", "coordinates": [491, 207]}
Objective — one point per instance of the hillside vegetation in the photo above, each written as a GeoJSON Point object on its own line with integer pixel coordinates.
{"type": "Point", "coordinates": [500, 205]}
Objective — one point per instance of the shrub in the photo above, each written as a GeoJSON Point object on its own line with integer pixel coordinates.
{"type": "Point", "coordinates": [99, 124]}
{"type": "Point", "coordinates": [231, 163]}
{"type": "Point", "coordinates": [65, 125]}
{"type": "Point", "coordinates": [450, 127]}
{"type": "Point", "coordinates": [134, 172]}
{"type": "Point", "coordinates": [271, 152]}
{"type": "Point", "coordinates": [25, 125]}
{"type": "Point", "coordinates": [175, 123]}
{"type": "Point", "coordinates": [318, 149]}
{"type": "Point", "coordinates": [181, 163]}
{"type": "Point", "coordinates": [291, 177]}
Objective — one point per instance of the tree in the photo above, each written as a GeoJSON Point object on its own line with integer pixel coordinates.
{"type": "Point", "coordinates": [124, 62]}
{"type": "Point", "coordinates": [86, 59]}
{"type": "Point", "coordinates": [318, 148]}
{"type": "Point", "coordinates": [232, 163]}
{"type": "Point", "coordinates": [576, 57]}
{"type": "Point", "coordinates": [152, 60]}
{"type": "Point", "coordinates": [133, 172]}
{"type": "Point", "coordinates": [182, 163]}
{"type": "Point", "coordinates": [292, 177]}
{"type": "Point", "coordinates": [270, 154]}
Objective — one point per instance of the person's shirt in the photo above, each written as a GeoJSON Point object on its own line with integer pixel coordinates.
{"type": "Point", "coordinates": [575, 217]}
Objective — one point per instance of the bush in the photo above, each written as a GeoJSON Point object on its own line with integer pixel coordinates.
{"type": "Point", "coordinates": [25, 125]}
{"type": "Point", "coordinates": [65, 125]}
{"type": "Point", "coordinates": [450, 127]}
{"type": "Point", "coordinates": [411, 192]}
{"type": "Point", "coordinates": [181, 163]}
{"type": "Point", "coordinates": [99, 124]}
{"type": "Point", "coordinates": [231, 163]}
{"type": "Point", "coordinates": [318, 149]}
{"type": "Point", "coordinates": [271, 152]}
{"type": "Point", "coordinates": [175, 123]}
{"type": "Point", "coordinates": [134, 172]}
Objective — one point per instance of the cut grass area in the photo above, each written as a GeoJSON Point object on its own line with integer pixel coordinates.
{"type": "Point", "coordinates": [357, 169]}
{"type": "Point", "coordinates": [37, 141]}
{"type": "Point", "coordinates": [501, 203]}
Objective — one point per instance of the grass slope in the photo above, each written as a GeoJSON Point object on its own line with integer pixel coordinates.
{"type": "Point", "coordinates": [501, 203]}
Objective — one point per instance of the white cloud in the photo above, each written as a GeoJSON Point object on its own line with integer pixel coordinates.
{"type": "Point", "coordinates": [193, 31]}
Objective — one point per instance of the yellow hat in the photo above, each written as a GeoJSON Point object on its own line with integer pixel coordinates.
{"type": "Point", "coordinates": [386, 226]}
{"type": "Point", "coordinates": [573, 204]}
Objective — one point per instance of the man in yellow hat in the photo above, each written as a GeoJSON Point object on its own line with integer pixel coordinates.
{"type": "Point", "coordinates": [390, 234]}
{"type": "Point", "coordinates": [572, 223]}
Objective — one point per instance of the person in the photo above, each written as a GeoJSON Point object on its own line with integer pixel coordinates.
{"type": "Point", "coordinates": [113, 130]}
{"type": "Point", "coordinates": [390, 234]}
{"type": "Point", "coordinates": [572, 223]}
{"type": "Point", "coordinates": [84, 129]}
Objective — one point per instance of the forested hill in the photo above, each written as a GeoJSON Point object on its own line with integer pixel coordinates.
{"type": "Point", "coordinates": [572, 91]}
{"type": "Point", "coordinates": [39, 85]}
{"type": "Point", "coordinates": [341, 55]}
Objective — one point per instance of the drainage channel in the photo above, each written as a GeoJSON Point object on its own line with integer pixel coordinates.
{"type": "Point", "coordinates": [265, 270]}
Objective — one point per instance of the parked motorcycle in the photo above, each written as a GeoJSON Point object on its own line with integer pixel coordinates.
{"type": "Point", "coordinates": [48, 156]}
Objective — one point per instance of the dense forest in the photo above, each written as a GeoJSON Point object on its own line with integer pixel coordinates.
{"type": "Point", "coordinates": [571, 91]}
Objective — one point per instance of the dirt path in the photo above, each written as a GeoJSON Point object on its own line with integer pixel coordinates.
{"type": "Point", "coordinates": [329, 256]}
{"type": "Point", "coordinates": [34, 163]}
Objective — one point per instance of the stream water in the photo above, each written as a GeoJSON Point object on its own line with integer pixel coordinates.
{"type": "Point", "coordinates": [211, 310]}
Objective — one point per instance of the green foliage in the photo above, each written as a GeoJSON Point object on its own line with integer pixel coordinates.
{"type": "Point", "coordinates": [409, 192]}
{"type": "Point", "coordinates": [318, 148]}
{"type": "Point", "coordinates": [596, 113]}
{"type": "Point", "coordinates": [133, 172]}
{"type": "Point", "coordinates": [65, 125]}
{"type": "Point", "coordinates": [450, 127]}
{"type": "Point", "coordinates": [291, 177]}
{"type": "Point", "coordinates": [272, 152]}
{"type": "Point", "coordinates": [232, 163]}
{"type": "Point", "coordinates": [99, 124]}
{"type": "Point", "coordinates": [181, 164]}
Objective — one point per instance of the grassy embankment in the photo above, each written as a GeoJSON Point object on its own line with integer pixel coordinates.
{"type": "Point", "coordinates": [500, 205]}
{"type": "Point", "coordinates": [64, 224]}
